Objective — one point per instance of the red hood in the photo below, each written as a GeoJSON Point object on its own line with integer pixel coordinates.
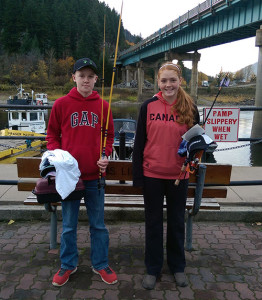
{"type": "Point", "coordinates": [77, 96]}
{"type": "Point", "coordinates": [160, 97]}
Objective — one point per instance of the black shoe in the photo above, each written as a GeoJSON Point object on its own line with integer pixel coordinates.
{"type": "Point", "coordinates": [149, 282]}
{"type": "Point", "coordinates": [181, 279]}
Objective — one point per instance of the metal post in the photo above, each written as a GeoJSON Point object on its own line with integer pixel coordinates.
{"type": "Point", "coordinates": [199, 189]}
{"type": "Point", "coordinates": [122, 148]}
{"type": "Point", "coordinates": [189, 227]}
{"type": "Point", "coordinates": [256, 130]}
{"type": "Point", "coordinates": [53, 230]}
{"type": "Point", "coordinates": [197, 202]}
{"type": "Point", "coordinates": [122, 145]}
{"type": "Point", "coordinates": [53, 225]}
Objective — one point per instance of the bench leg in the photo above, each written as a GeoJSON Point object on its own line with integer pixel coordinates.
{"type": "Point", "coordinates": [197, 202]}
{"type": "Point", "coordinates": [53, 225]}
{"type": "Point", "coordinates": [201, 174]}
{"type": "Point", "coordinates": [189, 228]}
{"type": "Point", "coordinates": [53, 230]}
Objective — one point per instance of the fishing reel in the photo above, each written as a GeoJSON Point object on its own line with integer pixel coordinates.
{"type": "Point", "coordinates": [193, 150]}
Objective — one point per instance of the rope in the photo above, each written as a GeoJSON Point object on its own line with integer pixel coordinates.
{"type": "Point", "coordinates": [237, 147]}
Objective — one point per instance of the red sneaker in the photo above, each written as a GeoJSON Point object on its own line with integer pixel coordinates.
{"type": "Point", "coordinates": [62, 276]}
{"type": "Point", "coordinates": [107, 275]}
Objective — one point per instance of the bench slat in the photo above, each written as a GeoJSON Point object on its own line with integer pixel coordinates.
{"type": "Point", "coordinates": [111, 202]}
{"type": "Point", "coordinates": [28, 167]}
{"type": "Point", "coordinates": [127, 188]}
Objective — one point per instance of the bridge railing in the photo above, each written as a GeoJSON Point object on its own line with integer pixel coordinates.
{"type": "Point", "coordinates": [195, 13]}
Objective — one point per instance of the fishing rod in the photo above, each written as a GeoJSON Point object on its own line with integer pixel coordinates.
{"type": "Point", "coordinates": [224, 82]}
{"type": "Point", "coordinates": [103, 86]}
{"type": "Point", "coordinates": [112, 83]}
{"type": "Point", "coordinates": [102, 102]}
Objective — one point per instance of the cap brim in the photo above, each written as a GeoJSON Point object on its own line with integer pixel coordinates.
{"type": "Point", "coordinates": [195, 130]}
{"type": "Point", "coordinates": [87, 66]}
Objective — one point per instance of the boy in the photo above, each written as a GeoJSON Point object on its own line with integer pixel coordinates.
{"type": "Point", "coordinates": [75, 126]}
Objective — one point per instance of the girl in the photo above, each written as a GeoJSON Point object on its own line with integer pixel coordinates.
{"type": "Point", "coordinates": [162, 121]}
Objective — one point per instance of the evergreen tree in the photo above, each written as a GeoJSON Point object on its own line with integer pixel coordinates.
{"type": "Point", "coordinates": [12, 26]}
{"type": "Point", "coordinates": [33, 30]}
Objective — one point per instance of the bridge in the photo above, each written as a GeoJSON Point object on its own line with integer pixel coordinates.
{"type": "Point", "coordinates": [211, 23]}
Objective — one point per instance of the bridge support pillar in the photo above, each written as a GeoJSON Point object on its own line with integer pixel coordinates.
{"type": "Point", "coordinates": [156, 89]}
{"type": "Point", "coordinates": [128, 76]}
{"type": "Point", "coordinates": [194, 77]}
{"type": "Point", "coordinates": [256, 131]}
{"type": "Point", "coordinates": [140, 80]}
{"type": "Point", "coordinates": [123, 74]}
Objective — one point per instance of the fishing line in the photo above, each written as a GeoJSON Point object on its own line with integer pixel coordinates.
{"type": "Point", "coordinates": [112, 82]}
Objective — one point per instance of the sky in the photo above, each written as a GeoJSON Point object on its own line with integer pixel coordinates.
{"type": "Point", "coordinates": [145, 17]}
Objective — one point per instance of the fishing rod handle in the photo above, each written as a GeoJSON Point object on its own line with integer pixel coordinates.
{"type": "Point", "coordinates": [182, 170]}
{"type": "Point", "coordinates": [177, 182]}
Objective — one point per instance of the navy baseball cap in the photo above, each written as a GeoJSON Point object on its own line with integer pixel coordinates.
{"type": "Point", "coordinates": [84, 62]}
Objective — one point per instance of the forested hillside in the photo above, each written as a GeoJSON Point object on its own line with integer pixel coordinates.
{"type": "Point", "coordinates": [40, 39]}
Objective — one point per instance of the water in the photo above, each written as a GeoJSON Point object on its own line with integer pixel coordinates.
{"type": "Point", "coordinates": [244, 156]}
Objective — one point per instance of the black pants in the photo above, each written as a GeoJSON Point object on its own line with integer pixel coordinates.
{"type": "Point", "coordinates": [154, 192]}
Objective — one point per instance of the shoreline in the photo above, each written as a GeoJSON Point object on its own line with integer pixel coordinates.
{"type": "Point", "coordinates": [202, 101]}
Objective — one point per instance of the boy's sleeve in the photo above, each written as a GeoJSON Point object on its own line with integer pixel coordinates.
{"type": "Point", "coordinates": [53, 136]}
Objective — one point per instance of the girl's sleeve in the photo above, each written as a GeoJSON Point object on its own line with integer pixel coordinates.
{"type": "Point", "coordinates": [140, 141]}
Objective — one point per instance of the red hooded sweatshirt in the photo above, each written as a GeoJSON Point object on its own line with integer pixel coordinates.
{"type": "Point", "coordinates": [75, 126]}
{"type": "Point", "coordinates": [157, 141]}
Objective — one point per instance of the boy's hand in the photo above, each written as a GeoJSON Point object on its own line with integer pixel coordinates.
{"type": "Point", "coordinates": [102, 163]}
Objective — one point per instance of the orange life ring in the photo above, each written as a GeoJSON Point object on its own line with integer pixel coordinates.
{"type": "Point", "coordinates": [39, 102]}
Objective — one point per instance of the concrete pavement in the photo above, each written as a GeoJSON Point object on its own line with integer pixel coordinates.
{"type": "Point", "coordinates": [226, 264]}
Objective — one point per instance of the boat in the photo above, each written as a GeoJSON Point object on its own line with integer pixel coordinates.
{"type": "Point", "coordinates": [128, 127]}
{"type": "Point", "coordinates": [11, 149]}
{"type": "Point", "coordinates": [23, 119]}
{"type": "Point", "coordinates": [41, 99]}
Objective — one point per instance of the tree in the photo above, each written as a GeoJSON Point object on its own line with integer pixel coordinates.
{"type": "Point", "coordinates": [53, 30]}
{"type": "Point", "coordinates": [239, 76]}
{"type": "Point", "coordinates": [40, 76]}
{"type": "Point", "coordinates": [50, 62]}
{"type": "Point", "coordinates": [202, 77]}
{"type": "Point", "coordinates": [18, 74]}
{"type": "Point", "coordinates": [253, 78]}
{"type": "Point", "coordinates": [12, 23]}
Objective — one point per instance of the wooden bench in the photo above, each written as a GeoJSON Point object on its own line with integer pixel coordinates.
{"type": "Point", "coordinates": [208, 184]}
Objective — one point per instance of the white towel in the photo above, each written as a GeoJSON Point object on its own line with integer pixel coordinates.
{"type": "Point", "coordinates": [67, 171]}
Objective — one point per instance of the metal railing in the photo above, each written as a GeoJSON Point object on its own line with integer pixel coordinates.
{"type": "Point", "coordinates": [186, 18]}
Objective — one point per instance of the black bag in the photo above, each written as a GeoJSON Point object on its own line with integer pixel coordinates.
{"type": "Point", "coordinates": [46, 192]}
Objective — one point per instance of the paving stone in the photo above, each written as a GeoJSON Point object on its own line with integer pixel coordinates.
{"type": "Point", "coordinates": [221, 268]}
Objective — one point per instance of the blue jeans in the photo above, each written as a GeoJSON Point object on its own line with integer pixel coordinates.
{"type": "Point", "coordinates": [94, 202]}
